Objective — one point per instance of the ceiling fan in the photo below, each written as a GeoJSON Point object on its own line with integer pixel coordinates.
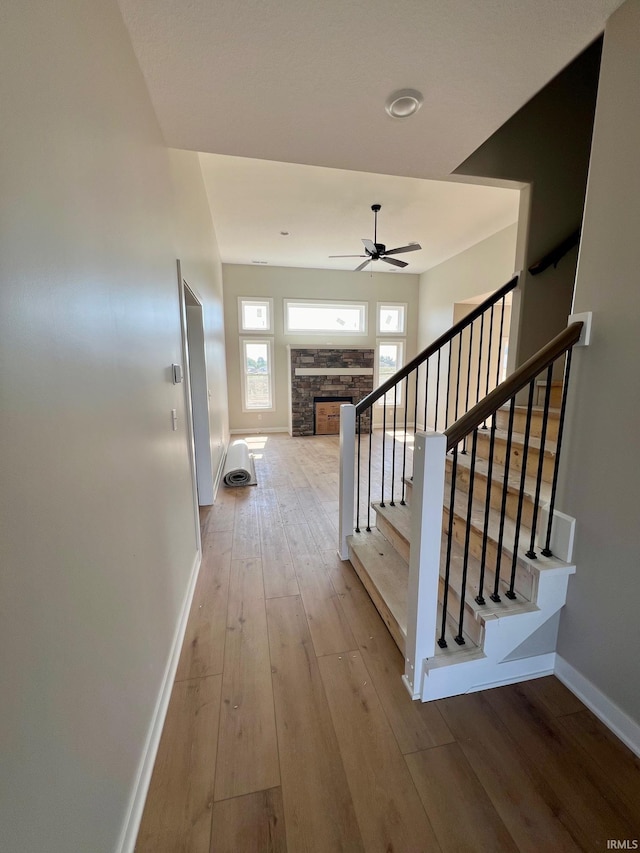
{"type": "Point", "coordinates": [375, 251]}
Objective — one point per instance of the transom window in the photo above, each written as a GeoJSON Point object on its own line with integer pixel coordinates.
{"type": "Point", "coordinates": [391, 318]}
{"type": "Point", "coordinates": [255, 315]}
{"type": "Point", "coordinates": [319, 317]}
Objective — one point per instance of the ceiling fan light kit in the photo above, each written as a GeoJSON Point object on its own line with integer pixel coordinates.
{"type": "Point", "coordinates": [403, 103]}
{"type": "Point", "coordinates": [375, 251]}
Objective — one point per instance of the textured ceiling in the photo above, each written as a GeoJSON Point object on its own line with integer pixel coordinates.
{"type": "Point", "coordinates": [328, 211]}
{"type": "Point", "coordinates": [305, 82]}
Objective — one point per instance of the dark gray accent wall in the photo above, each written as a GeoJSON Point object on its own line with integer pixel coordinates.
{"type": "Point", "coordinates": [547, 144]}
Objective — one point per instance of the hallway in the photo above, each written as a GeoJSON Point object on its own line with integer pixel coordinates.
{"type": "Point", "coordinates": [289, 728]}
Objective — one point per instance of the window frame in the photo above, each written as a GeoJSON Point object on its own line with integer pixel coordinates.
{"type": "Point", "coordinates": [401, 343]}
{"type": "Point", "coordinates": [255, 300]}
{"type": "Point", "coordinates": [363, 307]}
{"type": "Point", "coordinates": [398, 333]}
{"type": "Point", "coordinates": [243, 374]}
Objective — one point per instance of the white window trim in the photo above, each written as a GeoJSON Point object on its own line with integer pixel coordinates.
{"type": "Point", "coordinates": [390, 395]}
{"type": "Point", "coordinates": [255, 300]}
{"type": "Point", "coordinates": [398, 332]}
{"type": "Point", "coordinates": [362, 306]}
{"type": "Point", "coordinates": [243, 375]}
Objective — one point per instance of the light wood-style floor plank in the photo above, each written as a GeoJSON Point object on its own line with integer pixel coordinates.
{"type": "Point", "coordinates": [177, 815]}
{"type": "Point", "coordinates": [328, 625]}
{"type": "Point", "coordinates": [246, 530]}
{"type": "Point", "coordinates": [277, 566]}
{"type": "Point", "coordinates": [318, 808]}
{"type": "Point", "coordinates": [589, 811]}
{"type": "Point", "coordinates": [301, 542]}
{"type": "Point", "coordinates": [253, 823]}
{"type": "Point", "coordinates": [458, 807]}
{"type": "Point", "coordinates": [416, 725]}
{"type": "Point", "coordinates": [526, 806]}
{"type": "Point", "coordinates": [247, 747]}
{"type": "Point", "coordinates": [617, 763]}
{"type": "Point", "coordinates": [203, 647]}
{"type": "Point", "coordinates": [389, 810]}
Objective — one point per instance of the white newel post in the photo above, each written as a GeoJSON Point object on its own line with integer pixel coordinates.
{"type": "Point", "coordinates": [347, 478]}
{"type": "Point", "coordinates": [427, 498]}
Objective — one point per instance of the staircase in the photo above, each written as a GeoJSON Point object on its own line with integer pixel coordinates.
{"type": "Point", "coordinates": [463, 552]}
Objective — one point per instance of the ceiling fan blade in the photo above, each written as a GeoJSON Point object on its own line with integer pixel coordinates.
{"type": "Point", "coordinates": [412, 247]}
{"type": "Point", "coordinates": [348, 256]}
{"type": "Point", "coordinates": [370, 246]}
{"type": "Point", "coordinates": [362, 265]}
{"type": "Point", "coordinates": [394, 262]}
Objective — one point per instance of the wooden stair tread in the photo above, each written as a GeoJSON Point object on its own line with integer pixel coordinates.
{"type": "Point", "coordinates": [553, 412]}
{"type": "Point", "coordinates": [497, 475]}
{"type": "Point", "coordinates": [517, 440]}
{"type": "Point", "coordinates": [385, 575]}
{"type": "Point", "coordinates": [398, 516]}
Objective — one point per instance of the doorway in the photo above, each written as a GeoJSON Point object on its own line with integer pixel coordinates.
{"type": "Point", "coordinates": [197, 391]}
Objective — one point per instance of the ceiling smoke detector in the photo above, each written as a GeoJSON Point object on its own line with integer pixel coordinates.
{"type": "Point", "coordinates": [404, 103]}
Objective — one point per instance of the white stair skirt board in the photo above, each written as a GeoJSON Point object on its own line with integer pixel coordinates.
{"type": "Point", "coordinates": [444, 676]}
{"type": "Point", "coordinates": [140, 788]}
{"type": "Point", "coordinates": [613, 717]}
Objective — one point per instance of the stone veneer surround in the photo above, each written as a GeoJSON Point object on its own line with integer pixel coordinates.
{"type": "Point", "coordinates": [351, 384]}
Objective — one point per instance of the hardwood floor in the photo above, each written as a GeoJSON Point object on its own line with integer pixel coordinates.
{"type": "Point", "coordinates": [289, 729]}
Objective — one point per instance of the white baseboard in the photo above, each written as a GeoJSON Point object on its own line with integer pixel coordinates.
{"type": "Point", "coordinates": [258, 430]}
{"type": "Point", "coordinates": [614, 718]}
{"type": "Point", "coordinates": [218, 478]}
{"type": "Point", "coordinates": [131, 825]}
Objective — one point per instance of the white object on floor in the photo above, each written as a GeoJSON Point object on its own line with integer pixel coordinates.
{"type": "Point", "coordinates": [239, 468]}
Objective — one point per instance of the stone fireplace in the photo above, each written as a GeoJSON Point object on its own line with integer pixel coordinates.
{"type": "Point", "coordinates": [331, 373]}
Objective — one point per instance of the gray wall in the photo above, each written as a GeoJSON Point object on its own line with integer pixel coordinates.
{"type": "Point", "coordinates": [97, 525]}
{"type": "Point", "coordinates": [600, 633]}
{"type": "Point", "coordinates": [545, 144]}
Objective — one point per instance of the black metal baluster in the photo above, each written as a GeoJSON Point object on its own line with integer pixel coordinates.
{"type": "Point", "coordinates": [447, 567]}
{"type": "Point", "coordinates": [523, 475]}
{"type": "Point", "coordinates": [480, 358]}
{"type": "Point", "coordinates": [448, 397]}
{"type": "Point", "coordinates": [393, 446]}
{"type": "Point", "coordinates": [499, 368]}
{"type": "Point", "coordinates": [546, 551]}
{"type": "Point", "coordinates": [466, 396]}
{"type": "Point", "coordinates": [487, 510]}
{"type": "Point", "coordinates": [435, 425]}
{"type": "Point", "coordinates": [384, 436]}
{"type": "Point", "coordinates": [543, 438]}
{"type": "Point", "coordinates": [415, 402]}
{"type": "Point", "coordinates": [404, 447]}
{"type": "Point", "coordinates": [426, 395]}
{"type": "Point", "coordinates": [369, 480]}
{"type": "Point", "coordinates": [503, 509]}
{"type": "Point", "coordinates": [486, 386]}
{"type": "Point", "coordinates": [358, 482]}
{"type": "Point", "coordinates": [467, 538]}
{"type": "Point", "coordinates": [458, 374]}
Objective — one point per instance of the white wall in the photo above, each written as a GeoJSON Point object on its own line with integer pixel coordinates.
{"type": "Point", "coordinates": [599, 631]}
{"type": "Point", "coordinates": [288, 282]}
{"type": "Point", "coordinates": [478, 270]}
{"type": "Point", "coordinates": [97, 532]}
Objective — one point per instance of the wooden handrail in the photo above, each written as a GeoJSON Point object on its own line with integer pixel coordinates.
{"type": "Point", "coordinates": [518, 380]}
{"type": "Point", "coordinates": [433, 348]}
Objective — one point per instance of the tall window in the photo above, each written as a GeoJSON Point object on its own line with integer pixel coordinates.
{"type": "Point", "coordinates": [319, 317]}
{"type": "Point", "coordinates": [391, 318]}
{"type": "Point", "coordinates": [390, 360]}
{"type": "Point", "coordinates": [255, 315]}
{"type": "Point", "coordinates": [257, 375]}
